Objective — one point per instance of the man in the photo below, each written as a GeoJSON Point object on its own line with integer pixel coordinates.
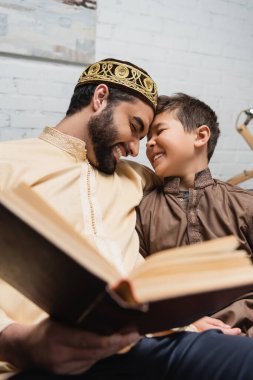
{"type": "Point", "coordinates": [76, 167]}
{"type": "Point", "coordinates": [111, 109]}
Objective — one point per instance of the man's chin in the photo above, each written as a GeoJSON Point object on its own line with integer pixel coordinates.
{"type": "Point", "coordinates": [107, 169]}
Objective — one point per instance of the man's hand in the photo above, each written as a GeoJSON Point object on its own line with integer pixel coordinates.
{"type": "Point", "coordinates": [57, 348]}
{"type": "Point", "coordinates": [207, 323]}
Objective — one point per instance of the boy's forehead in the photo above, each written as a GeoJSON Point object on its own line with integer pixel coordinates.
{"type": "Point", "coordinates": [161, 118]}
{"type": "Point", "coordinates": [154, 125]}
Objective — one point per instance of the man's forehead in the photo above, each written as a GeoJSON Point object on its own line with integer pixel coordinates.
{"type": "Point", "coordinates": [143, 112]}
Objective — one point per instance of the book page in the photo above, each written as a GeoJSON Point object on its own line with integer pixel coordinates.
{"type": "Point", "coordinates": [185, 270]}
{"type": "Point", "coordinates": [234, 269]}
{"type": "Point", "coordinates": [200, 251]}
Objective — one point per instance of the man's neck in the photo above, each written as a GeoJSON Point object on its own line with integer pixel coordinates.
{"type": "Point", "coordinates": [75, 126]}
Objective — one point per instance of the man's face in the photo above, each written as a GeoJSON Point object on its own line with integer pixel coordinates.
{"type": "Point", "coordinates": [170, 149]}
{"type": "Point", "coordinates": [116, 131]}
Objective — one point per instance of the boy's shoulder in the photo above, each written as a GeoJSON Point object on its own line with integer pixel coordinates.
{"type": "Point", "coordinates": [232, 189]}
{"type": "Point", "coordinates": [152, 198]}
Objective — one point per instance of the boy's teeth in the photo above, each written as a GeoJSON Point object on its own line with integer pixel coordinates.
{"type": "Point", "coordinates": [158, 156]}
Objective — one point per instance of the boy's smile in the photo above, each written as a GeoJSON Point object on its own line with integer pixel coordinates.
{"type": "Point", "coordinates": [170, 149]}
{"type": "Point", "coordinates": [157, 156]}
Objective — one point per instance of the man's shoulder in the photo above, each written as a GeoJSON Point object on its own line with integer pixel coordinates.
{"type": "Point", "coordinates": [134, 166]}
{"type": "Point", "coordinates": [13, 144]}
{"type": "Point", "coordinates": [138, 168]}
{"type": "Point", "coordinates": [143, 174]}
{"type": "Point", "coordinates": [15, 150]}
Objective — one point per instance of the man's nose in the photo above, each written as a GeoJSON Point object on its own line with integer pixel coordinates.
{"type": "Point", "coordinates": [134, 147]}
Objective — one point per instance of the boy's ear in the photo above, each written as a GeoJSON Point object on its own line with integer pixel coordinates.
{"type": "Point", "coordinates": [202, 136]}
{"type": "Point", "coordinates": [100, 97]}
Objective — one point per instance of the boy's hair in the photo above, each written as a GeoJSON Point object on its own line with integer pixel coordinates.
{"type": "Point", "coordinates": [192, 113]}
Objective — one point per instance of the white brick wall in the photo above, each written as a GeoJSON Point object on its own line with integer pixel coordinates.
{"type": "Point", "coordinates": [33, 94]}
{"type": "Point", "coordinates": [201, 47]}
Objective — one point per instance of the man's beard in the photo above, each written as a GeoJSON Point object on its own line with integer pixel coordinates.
{"type": "Point", "coordinates": [103, 134]}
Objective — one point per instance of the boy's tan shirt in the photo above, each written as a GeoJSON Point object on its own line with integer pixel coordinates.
{"type": "Point", "coordinates": [169, 218]}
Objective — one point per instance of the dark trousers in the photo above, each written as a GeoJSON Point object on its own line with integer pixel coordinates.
{"type": "Point", "coordinates": [184, 356]}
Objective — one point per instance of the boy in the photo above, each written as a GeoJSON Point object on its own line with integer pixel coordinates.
{"type": "Point", "coordinates": [191, 206]}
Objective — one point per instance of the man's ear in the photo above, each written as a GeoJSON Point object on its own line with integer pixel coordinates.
{"type": "Point", "coordinates": [100, 97]}
{"type": "Point", "coordinates": [202, 136]}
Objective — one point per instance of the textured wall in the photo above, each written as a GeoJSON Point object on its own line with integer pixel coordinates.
{"type": "Point", "coordinates": [33, 94]}
{"type": "Point", "coordinates": [35, 87]}
{"type": "Point", "coordinates": [201, 47]}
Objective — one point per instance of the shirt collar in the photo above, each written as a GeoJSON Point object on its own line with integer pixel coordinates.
{"type": "Point", "coordinates": [202, 179]}
{"type": "Point", "coordinates": [69, 144]}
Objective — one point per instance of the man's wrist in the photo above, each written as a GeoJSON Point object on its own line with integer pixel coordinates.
{"type": "Point", "coordinates": [10, 339]}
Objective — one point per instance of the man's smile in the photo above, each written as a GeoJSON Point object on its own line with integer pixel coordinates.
{"type": "Point", "coordinates": [120, 150]}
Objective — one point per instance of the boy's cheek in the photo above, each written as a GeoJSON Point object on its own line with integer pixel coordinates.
{"type": "Point", "coordinates": [148, 157]}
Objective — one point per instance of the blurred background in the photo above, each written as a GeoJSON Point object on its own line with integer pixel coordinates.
{"type": "Point", "coordinates": [201, 47]}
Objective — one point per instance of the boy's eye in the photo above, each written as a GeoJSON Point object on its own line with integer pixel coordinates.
{"type": "Point", "coordinates": [159, 131]}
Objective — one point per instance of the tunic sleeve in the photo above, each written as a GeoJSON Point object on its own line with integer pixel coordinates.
{"type": "Point", "coordinates": [4, 320]}
{"type": "Point", "coordinates": [149, 180]}
{"type": "Point", "coordinates": [142, 248]}
{"type": "Point", "coordinates": [249, 224]}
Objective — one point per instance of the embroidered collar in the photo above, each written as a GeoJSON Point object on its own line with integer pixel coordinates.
{"type": "Point", "coordinates": [202, 179]}
{"type": "Point", "coordinates": [69, 144]}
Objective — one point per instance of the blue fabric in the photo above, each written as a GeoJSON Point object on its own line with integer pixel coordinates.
{"type": "Point", "coordinates": [184, 356]}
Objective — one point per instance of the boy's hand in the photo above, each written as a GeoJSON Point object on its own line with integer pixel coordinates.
{"type": "Point", "coordinates": [207, 323]}
{"type": "Point", "coordinates": [57, 348]}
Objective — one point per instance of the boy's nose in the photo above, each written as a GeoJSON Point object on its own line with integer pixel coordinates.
{"type": "Point", "coordinates": [150, 143]}
{"type": "Point", "coordinates": [134, 147]}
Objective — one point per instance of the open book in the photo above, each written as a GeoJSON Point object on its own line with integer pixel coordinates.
{"type": "Point", "coordinates": [61, 271]}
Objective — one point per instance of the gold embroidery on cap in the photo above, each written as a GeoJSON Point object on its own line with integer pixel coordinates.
{"type": "Point", "coordinates": [121, 71]}
{"type": "Point", "coordinates": [122, 74]}
{"type": "Point", "coordinates": [94, 69]}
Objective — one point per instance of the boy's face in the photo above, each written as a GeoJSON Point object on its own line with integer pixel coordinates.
{"type": "Point", "coordinates": [170, 149]}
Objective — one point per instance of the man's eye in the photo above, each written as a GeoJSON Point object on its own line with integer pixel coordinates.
{"type": "Point", "coordinates": [149, 137]}
{"type": "Point", "coordinates": [133, 127]}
